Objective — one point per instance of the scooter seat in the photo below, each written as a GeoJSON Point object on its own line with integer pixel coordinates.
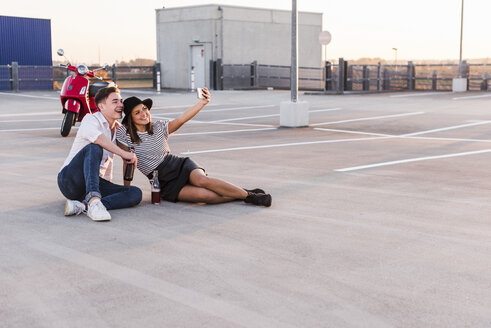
{"type": "Point", "coordinates": [96, 87]}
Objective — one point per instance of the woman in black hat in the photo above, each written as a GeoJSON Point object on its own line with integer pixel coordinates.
{"type": "Point", "coordinates": [181, 179]}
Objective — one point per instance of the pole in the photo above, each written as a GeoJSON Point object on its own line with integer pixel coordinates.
{"type": "Point", "coordinates": [15, 76]}
{"type": "Point", "coordinates": [158, 81]}
{"type": "Point", "coordinates": [294, 65]}
{"type": "Point", "coordinates": [395, 52]}
{"type": "Point", "coordinates": [396, 60]}
{"type": "Point", "coordinates": [192, 80]}
{"type": "Point", "coordinates": [221, 32]}
{"type": "Point", "coordinates": [461, 36]}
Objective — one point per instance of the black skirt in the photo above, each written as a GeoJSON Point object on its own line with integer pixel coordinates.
{"type": "Point", "coordinates": [174, 174]}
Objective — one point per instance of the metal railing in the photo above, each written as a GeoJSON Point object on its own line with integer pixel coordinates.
{"type": "Point", "coordinates": [254, 75]}
{"type": "Point", "coordinates": [339, 77]}
{"type": "Point", "coordinates": [342, 76]}
{"type": "Point", "coordinates": [25, 77]}
{"type": "Point", "coordinates": [434, 77]}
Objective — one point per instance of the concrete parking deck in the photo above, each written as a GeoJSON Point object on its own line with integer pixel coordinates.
{"type": "Point", "coordinates": [380, 218]}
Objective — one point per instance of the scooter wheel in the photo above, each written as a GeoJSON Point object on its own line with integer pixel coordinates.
{"type": "Point", "coordinates": [67, 123]}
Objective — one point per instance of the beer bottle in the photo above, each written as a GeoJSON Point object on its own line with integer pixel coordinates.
{"type": "Point", "coordinates": [155, 184]}
{"type": "Point", "coordinates": [129, 169]}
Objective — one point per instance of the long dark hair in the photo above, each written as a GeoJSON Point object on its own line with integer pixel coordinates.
{"type": "Point", "coordinates": [131, 128]}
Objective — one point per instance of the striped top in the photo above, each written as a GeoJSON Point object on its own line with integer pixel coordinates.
{"type": "Point", "coordinates": [152, 149]}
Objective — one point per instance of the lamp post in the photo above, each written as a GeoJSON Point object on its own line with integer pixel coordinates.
{"type": "Point", "coordinates": [294, 54]}
{"type": "Point", "coordinates": [461, 36]}
{"type": "Point", "coordinates": [395, 54]}
{"type": "Point", "coordinates": [294, 113]}
{"type": "Point", "coordinates": [460, 83]}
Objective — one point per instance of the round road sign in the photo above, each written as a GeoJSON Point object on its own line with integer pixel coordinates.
{"type": "Point", "coordinates": [324, 37]}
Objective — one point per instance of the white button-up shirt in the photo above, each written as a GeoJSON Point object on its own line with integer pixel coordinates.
{"type": "Point", "coordinates": [91, 127]}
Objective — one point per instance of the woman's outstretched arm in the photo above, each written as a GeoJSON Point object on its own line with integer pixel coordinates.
{"type": "Point", "coordinates": [189, 113]}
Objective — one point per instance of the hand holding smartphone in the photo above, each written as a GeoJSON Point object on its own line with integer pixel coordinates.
{"type": "Point", "coordinates": [202, 93]}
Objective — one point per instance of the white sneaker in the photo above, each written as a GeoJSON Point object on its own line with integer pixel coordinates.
{"type": "Point", "coordinates": [74, 207]}
{"type": "Point", "coordinates": [97, 211]}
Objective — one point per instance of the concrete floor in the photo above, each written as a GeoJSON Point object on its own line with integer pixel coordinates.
{"type": "Point", "coordinates": [380, 218]}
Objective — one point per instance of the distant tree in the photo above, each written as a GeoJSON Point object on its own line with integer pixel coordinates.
{"type": "Point", "coordinates": [136, 62]}
{"type": "Point", "coordinates": [368, 61]}
{"type": "Point", "coordinates": [58, 62]}
{"type": "Point", "coordinates": [374, 61]}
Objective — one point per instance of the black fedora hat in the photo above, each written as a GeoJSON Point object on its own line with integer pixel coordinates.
{"type": "Point", "coordinates": [131, 102]}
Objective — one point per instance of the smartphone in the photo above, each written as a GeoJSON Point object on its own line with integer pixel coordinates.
{"type": "Point", "coordinates": [199, 93]}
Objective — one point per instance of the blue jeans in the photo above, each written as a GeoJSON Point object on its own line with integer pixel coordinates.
{"type": "Point", "coordinates": [80, 180]}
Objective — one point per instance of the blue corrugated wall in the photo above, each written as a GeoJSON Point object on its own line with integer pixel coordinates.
{"type": "Point", "coordinates": [28, 42]}
{"type": "Point", "coordinates": [4, 75]}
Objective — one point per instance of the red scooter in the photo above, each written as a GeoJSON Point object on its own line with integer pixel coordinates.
{"type": "Point", "coordinates": [77, 96]}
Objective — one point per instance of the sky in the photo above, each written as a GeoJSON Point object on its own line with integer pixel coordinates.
{"type": "Point", "coordinates": [104, 31]}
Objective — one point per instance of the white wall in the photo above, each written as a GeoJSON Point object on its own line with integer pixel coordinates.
{"type": "Point", "coordinates": [248, 34]}
{"type": "Point", "coordinates": [265, 36]}
{"type": "Point", "coordinates": [176, 31]}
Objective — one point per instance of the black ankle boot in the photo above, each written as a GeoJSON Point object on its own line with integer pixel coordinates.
{"type": "Point", "coordinates": [258, 199]}
{"type": "Point", "coordinates": [255, 191]}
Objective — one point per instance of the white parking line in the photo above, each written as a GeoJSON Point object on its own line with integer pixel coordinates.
{"type": "Point", "coordinates": [182, 106]}
{"type": "Point", "coordinates": [271, 115]}
{"type": "Point", "coordinates": [235, 108]}
{"type": "Point", "coordinates": [368, 118]}
{"type": "Point", "coordinates": [471, 97]}
{"type": "Point", "coordinates": [138, 91]}
{"type": "Point", "coordinates": [38, 120]}
{"type": "Point", "coordinates": [447, 139]}
{"type": "Point", "coordinates": [280, 145]}
{"type": "Point", "coordinates": [244, 118]}
{"type": "Point", "coordinates": [236, 124]}
{"type": "Point", "coordinates": [220, 132]}
{"type": "Point", "coordinates": [266, 128]}
{"type": "Point", "coordinates": [378, 136]}
{"type": "Point", "coordinates": [420, 94]}
{"type": "Point", "coordinates": [36, 129]}
{"type": "Point", "coordinates": [402, 136]}
{"type": "Point", "coordinates": [28, 96]}
{"type": "Point", "coordinates": [218, 123]}
{"type": "Point", "coordinates": [445, 129]}
{"type": "Point", "coordinates": [224, 109]}
{"type": "Point", "coordinates": [325, 110]}
{"type": "Point", "coordinates": [355, 132]}
{"type": "Point", "coordinates": [417, 159]}
{"type": "Point", "coordinates": [174, 113]}
{"type": "Point", "coordinates": [31, 114]}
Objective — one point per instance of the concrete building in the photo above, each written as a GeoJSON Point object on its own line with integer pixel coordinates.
{"type": "Point", "coordinates": [191, 38]}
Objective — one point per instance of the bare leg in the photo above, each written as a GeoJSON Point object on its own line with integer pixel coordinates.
{"type": "Point", "coordinates": [195, 194]}
{"type": "Point", "coordinates": [199, 179]}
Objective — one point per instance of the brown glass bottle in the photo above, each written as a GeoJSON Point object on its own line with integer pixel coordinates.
{"type": "Point", "coordinates": [155, 184]}
{"type": "Point", "coordinates": [129, 169]}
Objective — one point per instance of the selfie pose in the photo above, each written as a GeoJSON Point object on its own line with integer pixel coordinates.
{"type": "Point", "coordinates": [181, 179]}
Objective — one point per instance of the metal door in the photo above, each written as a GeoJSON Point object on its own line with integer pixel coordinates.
{"type": "Point", "coordinates": [198, 66]}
